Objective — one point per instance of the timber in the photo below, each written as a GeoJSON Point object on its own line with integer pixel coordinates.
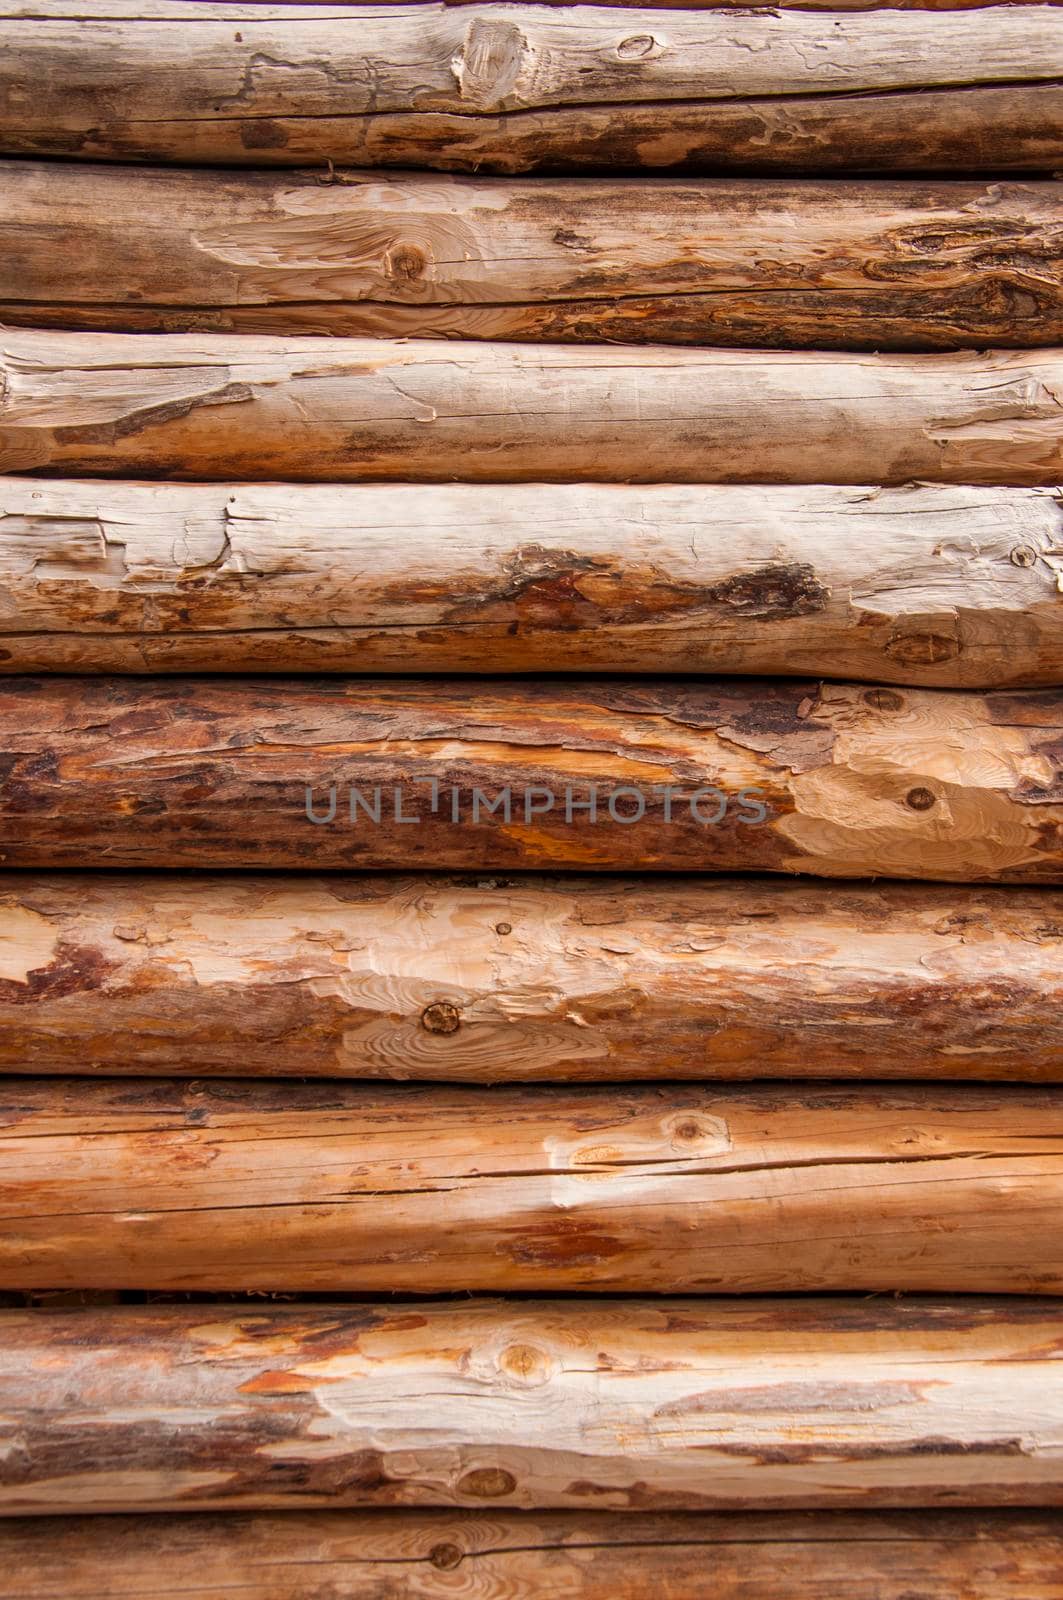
{"type": "Point", "coordinates": [350, 1188]}
{"type": "Point", "coordinates": [216, 407]}
{"type": "Point", "coordinates": [886, 265]}
{"type": "Point", "coordinates": [380, 1555]}
{"type": "Point", "coordinates": [533, 578]}
{"type": "Point", "coordinates": [779, 775]}
{"type": "Point", "coordinates": [623, 1406]}
{"type": "Point", "coordinates": [529, 979]}
{"type": "Point", "coordinates": [514, 88]}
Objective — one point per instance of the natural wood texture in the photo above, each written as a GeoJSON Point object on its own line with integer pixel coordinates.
{"type": "Point", "coordinates": [945, 586]}
{"type": "Point", "coordinates": [854, 265]}
{"type": "Point", "coordinates": [241, 407]}
{"type": "Point", "coordinates": [607, 1406]}
{"type": "Point", "coordinates": [831, 779]}
{"type": "Point", "coordinates": [565, 978]}
{"type": "Point", "coordinates": [421, 1555]}
{"type": "Point", "coordinates": [512, 88]}
{"type": "Point", "coordinates": [340, 1187]}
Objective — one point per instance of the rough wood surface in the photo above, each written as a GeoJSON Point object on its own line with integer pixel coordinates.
{"type": "Point", "coordinates": [241, 407]}
{"type": "Point", "coordinates": [941, 586]}
{"type": "Point", "coordinates": [513, 88]}
{"type": "Point", "coordinates": [341, 1187]}
{"type": "Point", "coordinates": [848, 264]}
{"type": "Point", "coordinates": [421, 1555]}
{"type": "Point", "coordinates": [565, 978]}
{"type": "Point", "coordinates": [789, 776]}
{"type": "Point", "coordinates": [634, 1406]}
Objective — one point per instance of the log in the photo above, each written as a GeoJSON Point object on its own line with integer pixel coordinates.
{"type": "Point", "coordinates": [515, 88]}
{"type": "Point", "coordinates": [787, 776]}
{"type": "Point", "coordinates": [352, 1188]}
{"type": "Point", "coordinates": [563, 979]}
{"type": "Point", "coordinates": [947, 586]}
{"type": "Point", "coordinates": [241, 407]}
{"type": "Point", "coordinates": [850, 265]}
{"type": "Point", "coordinates": [381, 1555]}
{"type": "Point", "coordinates": [630, 1406]}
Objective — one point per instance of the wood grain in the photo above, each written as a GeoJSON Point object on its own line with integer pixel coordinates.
{"type": "Point", "coordinates": [1002, 1555]}
{"type": "Point", "coordinates": [534, 979]}
{"type": "Point", "coordinates": [787, 776]}
{"type": "Point", "coordinates": [515, 88]}
{"type": "Point", "coordinates": [633, 1406]}
{"type": "Point", "coordinates": [242, 407]}
{"type": "Point", "coordinates": [339, 1187]}
{"type": "Point", "coordinates": [849, 264]}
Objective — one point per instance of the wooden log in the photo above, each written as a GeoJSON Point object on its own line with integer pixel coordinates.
{"type": "Point", "coordinates": [947, 586]}
{"type": "Point", "coordinates": [380, 1555]}
{"type": "Point", "coordinates": [850, 265]}
{"type": "Point", "coordinates": [563, 979]}
{"type": "Point", "coordinates": [513, 88]}
{"type": "Point", "coordinates": [239, 407]}
{"type": "Point", "coordinates": [632, 1406]}
{"type": "Point", "coordinates": [750, 775]}
{"type": "Point", "coordinates": [351, 1188]}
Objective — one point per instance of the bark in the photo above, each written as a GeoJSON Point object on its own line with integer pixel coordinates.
{"type": "Point", "coordinates": [854, 265]}
{"type": "Point", "coordinates": [121, 577]}
{"type": "Point", "coordinates": [513, 88]}
{"type": "Point", "coordinates": [204, 407]}
{"type": "Point", "coordinates": [339, 1187]}
{"type": "Point", "coordinates": [784, 776]}
{"type": "Point", "coordinates": [586, 1404]}
{"type": "Point", "coordinates": [1002, 1555]}
{"type": "Point", "coordinates": [562, 979]}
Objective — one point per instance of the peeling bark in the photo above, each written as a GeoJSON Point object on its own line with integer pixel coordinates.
{"type": "Point", "coordinates": [564, 979]}
{"type": "Point", "coordinates": [204, 407]}
{"type": "Point", "coordinates": [780, 775]}
{"type": "Point", "coordinates": [338, 1187]}
{"type": "Point", "coordinates": [606, 1406]}
{"type": "Point", "coordinates": [513, 88]}
{"type": "Point", "coordinates": [851, 265]}
{"type": "Point", "coordinates": [1015, 1555]}
{"type": "Point", "coordinates": [954, 587]}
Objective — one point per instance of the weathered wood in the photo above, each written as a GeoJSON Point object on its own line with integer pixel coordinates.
{"type": "Point", "coordinates": [119, 577]}
{"type": "Point", "coordinates": [1002, 1555]}
{"type": "Point", "coordinates": [831, 779]}
{"type": "Point", "coordinates": [351, 1188]}
{"type": "Point", "coordinates": [673, 1404]}
{"type": "Point", "coordinates": [854, 265]}
{"type": "Point", "coordinates": [513, 88]}
{"type": "Point", "coordinates": [243, 407]}
{"type": "Point", "coordinates": [561, 978]}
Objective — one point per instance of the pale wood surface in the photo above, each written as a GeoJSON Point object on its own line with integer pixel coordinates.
{"type": "Point", "coordinates": [564, 978]}
{"type": "Point", "coordinates": [850, 264]}
{"type": "Point", "coordinates": [631, 1406]}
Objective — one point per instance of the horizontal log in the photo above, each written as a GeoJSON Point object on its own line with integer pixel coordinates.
{"type": "Point", "coordinates": [850, 265]}
{"type": "Point", "coordinates": [782, 775]}
{"type": "Point", "coordinates": [626, 1406]}
{"type": "Point", "coordinates": [381, 1555]}
{"type": "Point", "coordinates": [946, 586]}
{"type": "Point", "coordinates": [250, 408]}
{"type": "Point", "coordinates": [515, 88]}
{"type": "Point", "coordinates": [349, 1188]}
{"type": "Point", "coordinates": [563, 978]}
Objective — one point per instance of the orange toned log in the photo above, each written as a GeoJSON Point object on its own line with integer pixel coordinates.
{"type": "Point", "coordinates": [238, 407]}
{"type": "Point", "coordinates": [318, 1188]}
{"type": "Point", "coordinates": [564, 978]}
{"type": "Point", "coordinates": [633, 1406]}
{"type": "Point", "coordinates": [1003, 1555]}
{"type": "Point", "coordinates": [787, 776]}
{"type": "Point", "coordinates": [513, 88]}
{"type": "Point", "coordinates": [828, 265]}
